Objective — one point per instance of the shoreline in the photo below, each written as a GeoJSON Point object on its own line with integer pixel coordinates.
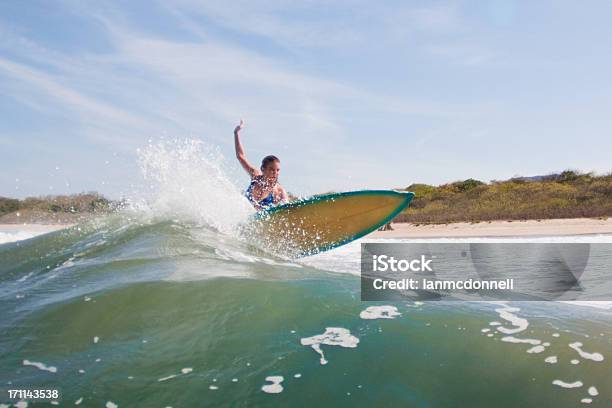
{"type": "Point", "coordinates": [20, 232]}
{"type": "Point", "coordinates": [550, 227]}
{"type": "Point", "coordinates": [33, 227]}
{"type": "Point", "coordinates": [531, 228]}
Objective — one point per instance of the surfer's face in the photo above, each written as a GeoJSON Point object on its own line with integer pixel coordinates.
{"type": "Point", "coordinates": [271, 171]}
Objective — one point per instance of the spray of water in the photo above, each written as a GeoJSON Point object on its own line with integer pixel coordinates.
{"type": "Point", "coordinates": [188, 181]}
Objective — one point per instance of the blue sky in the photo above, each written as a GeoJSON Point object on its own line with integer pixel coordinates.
{"type": "Point", "coordinates": [349, 94]}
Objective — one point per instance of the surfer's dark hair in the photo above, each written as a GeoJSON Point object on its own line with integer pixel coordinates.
{"type": "Point", "coordinates": [269, 159]}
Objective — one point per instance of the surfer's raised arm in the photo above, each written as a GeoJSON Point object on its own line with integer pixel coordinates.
{"type": "Point", "coordinates": [240, 155]}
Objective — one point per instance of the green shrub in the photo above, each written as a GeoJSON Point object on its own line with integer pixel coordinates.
{"type": "Point", "coordinates": [466, 185]}
{"type": "Point", "coordinates": [77, 203]}
{"type": "Point", "coordinates": [566, 195]}
{"type": "Point", "coordinates": [8, 205]}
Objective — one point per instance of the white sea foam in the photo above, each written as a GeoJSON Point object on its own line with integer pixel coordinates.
{"type": "Point", "coordinates": [40, 366]}
{"type": "Point", "coordinates": [551, 360]}
{"type": "Point", "coordinates": [507, 313]}
{"type": "Point", "coordinates": [380, 312]}
{"type": "Point", "coordinates": [536, 349]}
{"type": "Point", "coordinates": [589, 356]}
{"type": "Point", "coordinates": [333, 336]}
{"type": "Point", "coordinates": [563, 384]}
{"type": "Point", "coordinates": [184, 371]}
{"type": "Point", "coordinates": [24, 277]}
{"type": "Point", "coordinates": [275, 387]}
{"type": "Point", "coordinates": [6, 237]}
{"type": "Point", "coordinates": [511, 339]}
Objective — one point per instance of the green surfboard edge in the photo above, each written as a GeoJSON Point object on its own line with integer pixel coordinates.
{"type": "Point", "coordinates": [408, 196]}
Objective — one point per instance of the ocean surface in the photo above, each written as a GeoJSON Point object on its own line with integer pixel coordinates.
{"type": "Point", "coordinates": [162, 313]}
{"type": "Point", "coordinates": [163, 305]}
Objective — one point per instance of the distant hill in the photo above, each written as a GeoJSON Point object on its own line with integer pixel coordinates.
{"type": "Point", "coordinates": [538, 178]}
{"type": "Point", "coordinates": [569, 194]}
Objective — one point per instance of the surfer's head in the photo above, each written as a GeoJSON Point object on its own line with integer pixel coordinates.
{"type": "Point", "coordinates": [270, 167]}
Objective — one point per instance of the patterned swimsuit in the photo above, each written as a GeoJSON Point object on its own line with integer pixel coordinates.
{"type": "Point", "coordinates": [265, 202]}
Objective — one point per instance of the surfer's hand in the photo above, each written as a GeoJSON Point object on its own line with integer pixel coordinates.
{"type": "Point", "coordinates": [239, 127]}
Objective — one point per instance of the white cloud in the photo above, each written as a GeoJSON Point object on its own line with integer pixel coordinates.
{"type": "Point", "coordinates": [147, 85]}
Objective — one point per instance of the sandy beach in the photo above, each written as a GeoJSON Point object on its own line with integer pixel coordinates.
{"type": "Point", "coordinates": [554, 227]}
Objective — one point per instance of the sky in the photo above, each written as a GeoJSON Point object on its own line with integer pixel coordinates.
{"type": "Point", "coordinates": [349, 94]}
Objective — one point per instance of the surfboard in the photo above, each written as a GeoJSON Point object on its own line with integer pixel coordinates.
{"type": "Point", "coordinates": [312, 225]}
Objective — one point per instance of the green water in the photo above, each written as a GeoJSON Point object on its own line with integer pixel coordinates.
{"type": "Point", "coordinates": [162, 296]}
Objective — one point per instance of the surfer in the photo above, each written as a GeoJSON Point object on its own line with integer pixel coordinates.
{"type": "Point", "coordinates": [264, 189]}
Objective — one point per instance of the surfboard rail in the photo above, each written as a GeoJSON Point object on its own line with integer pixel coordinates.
{"type": "Point", "coordinates": [319, 223]}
